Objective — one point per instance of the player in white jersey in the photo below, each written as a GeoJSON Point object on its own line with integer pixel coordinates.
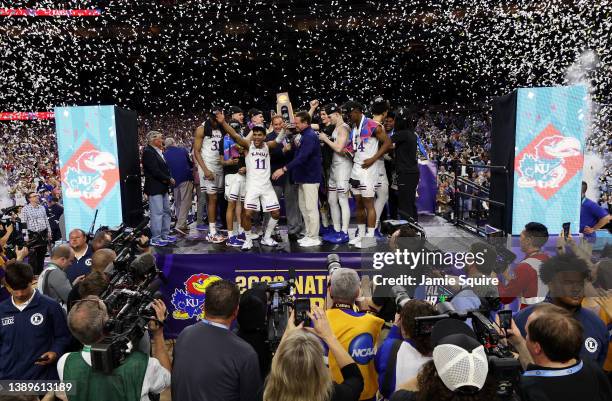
{"type": "Point", "coordinates": [370, 143]}
{"type": "Point", "coordinates": [380, 108]}
{"type": "Point", "coordinates": [208, 139]}
{"type": "Point", "coordinates": [338, 184]}
{"type": "Point", "coordinates": [259, 191]}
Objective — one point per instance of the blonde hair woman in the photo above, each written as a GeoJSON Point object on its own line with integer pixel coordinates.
{"type": "Point", "coordinates": [299, 372]}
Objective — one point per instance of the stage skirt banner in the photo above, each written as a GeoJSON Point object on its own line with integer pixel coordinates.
{"type": "Point", "coordinates": [189, 275]}
{"type": "Point", "coordinates": [89, 169]}
{"type": "Point", "coordinates": [551, 126]}
{"type": "Point", "coordinates": [428, 187]}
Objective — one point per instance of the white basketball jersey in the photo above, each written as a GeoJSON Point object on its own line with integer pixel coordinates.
{"type": "Point", "coordinates": [210, 149]}
{"type": "Point", "coordinates": [257, 165]}
{"type": "Point", "coordinates": [338, 159]}
{"type": "Point", "coordinates": [365, 142]}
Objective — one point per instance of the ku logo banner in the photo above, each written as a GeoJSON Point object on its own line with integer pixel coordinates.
{"type": "Point", "coordinates": [548, 156]}
{"type": "Point", "coordinates": [89, 165]}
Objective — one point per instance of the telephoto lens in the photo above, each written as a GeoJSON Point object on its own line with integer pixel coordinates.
{"type": "Point", "coordinates": [333, 263]}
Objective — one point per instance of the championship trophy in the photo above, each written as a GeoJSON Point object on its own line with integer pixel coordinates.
{"type": "Point", "coordinates": [284, 108]}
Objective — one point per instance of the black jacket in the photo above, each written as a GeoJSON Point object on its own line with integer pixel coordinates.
{"type": "Point", "coordinates": [156, 172]}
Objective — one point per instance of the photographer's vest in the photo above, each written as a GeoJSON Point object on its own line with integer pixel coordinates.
{"type": "Point", "coordinates": [358, 333]}
{"type": "Point", "coordinates": [124, 384]}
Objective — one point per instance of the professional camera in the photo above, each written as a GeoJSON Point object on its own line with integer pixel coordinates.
{"type": "Point", "coordinates": [388, 227]}
{"type": "Point", "coordinates": [126, 241]}
{"type": "Point", "coordinates": [9, 217]}
{"type": "Point", "coordinates": [504, 366]}
{"type": "Point", "coordinates": [128, 299]}
{"type": "Point", "coordinates": [401, 296]}
{"type": "Point", "coordinates": [333, 263]}
{"type": "Point", "coordinates": [280, 299]}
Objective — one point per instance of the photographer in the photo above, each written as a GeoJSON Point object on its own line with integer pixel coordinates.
{"type": "Point", "coordinates": [403, 351]}
{"type": "Point", "coordinates": [554, 339]}
{"type": "Point", "coordinates": [459, 369]}
{"type": "Point", "coordinates": [53, 281]}
{"type": "Point", "coordinates": [470, 297]}
{"type": "Point", "coordinates": [99, 262]}
{"type": "Point", "coordinates": [358, 332]}
{"type": "Point", "coordinates": [34, 215]}
{"type": "Point", "coordinates": [134, 379]}
{"type": "Point", "coordinates": [300, 351]}
{"type": "Point", "coordinates": [565, 276]}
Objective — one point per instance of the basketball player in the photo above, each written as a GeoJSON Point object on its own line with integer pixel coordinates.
{"type": "Point", "coordinates": [259, 190]}
{"type": "Point", "coordinates": [367, 134]}
{"type": "Point", "coordinates": [340, 172]}
{"type": "Point", "coordinates": [380, 108]}
{"type": "Point", "coordinates": [231, 156]}
{"type": "Point", "coordinates": [208, 139]}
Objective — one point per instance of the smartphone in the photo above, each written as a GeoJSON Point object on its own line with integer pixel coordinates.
{"type": "Point", "coordinates": [42, 359]}
{"type": "Point", "coordinates": [566, 230]}
{"type": "Point", "coordinates": [505, 319]}
{"type": "Point", "coordinates": [301, 308]}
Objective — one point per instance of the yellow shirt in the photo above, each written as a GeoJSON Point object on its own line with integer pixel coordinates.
{"type": "Point", "coordinates": [358, 333]}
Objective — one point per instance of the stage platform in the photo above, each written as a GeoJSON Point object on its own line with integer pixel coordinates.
{"type": "Point", "coordinates": [439, 232]}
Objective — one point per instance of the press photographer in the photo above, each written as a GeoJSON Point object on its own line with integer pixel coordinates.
{"type": "Point", "coordinates": [557, 373]}
{"type": "Point", "coordinates": [133, 380]}
{"type": "Point", "coordinates": [459, 370]}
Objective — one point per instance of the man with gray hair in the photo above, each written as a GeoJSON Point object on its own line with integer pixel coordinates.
{"type": "Point", "coordinates": [53, 281]}
{"type": "Point", "coordinates": [358, 332]}
{"type": "Point", "coordinates": [181, 166]}
{"type": "Point", "coordinates": [158, 181]}
{"type": "Point", "coordinates": [136, 377]}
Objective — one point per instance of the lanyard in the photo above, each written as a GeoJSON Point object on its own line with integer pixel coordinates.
{"type": "Point", "coordinates": [554, 373]}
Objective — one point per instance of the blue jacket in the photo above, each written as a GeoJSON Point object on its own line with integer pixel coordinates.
{"type": "Point", "coordinates": [595, 336]}
{"type": "Point", "coordinates": [24, 336]}
{"type": "Point", "coordinates": [307, 165]}
{"type": "Point", "coordinates": [179, 163]}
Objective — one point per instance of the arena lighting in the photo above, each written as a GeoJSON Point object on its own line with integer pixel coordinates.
{"type": "Point", "coordinates": [22, 115]}
{"type": "Point", "coordinates": [48, 12]}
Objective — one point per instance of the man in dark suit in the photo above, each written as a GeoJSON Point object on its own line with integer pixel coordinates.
{"type": "Point", "coordinates": [210, 361]}
{"type": "Point", "coordinates": [158, 181]}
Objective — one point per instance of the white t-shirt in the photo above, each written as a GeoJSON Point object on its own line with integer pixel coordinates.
{"type": "Point", "coordinates": [156, 378]}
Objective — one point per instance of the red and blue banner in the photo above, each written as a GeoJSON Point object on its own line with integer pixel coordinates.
{"type": "Point", "coordinates": [89, 169]}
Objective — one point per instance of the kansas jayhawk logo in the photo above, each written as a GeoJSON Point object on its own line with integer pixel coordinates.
{"type": "Point", "coordinates": [90, 174]}
{"type": "Point", "coordinates": [189, 303]}
{"type": "Point", "coordinates": [548, 162]}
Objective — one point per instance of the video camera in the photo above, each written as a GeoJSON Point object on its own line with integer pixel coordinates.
{"type": "Point", "coordinates": [9, 217]}
{"type": "Point", "coordinates": [128, 299]}
{"type": "Point", "coordinates": [504, 366]}
{"type": "Point", "coordinates": [125, 242]}
{"type": "Point", "coordinates": [280, 299]}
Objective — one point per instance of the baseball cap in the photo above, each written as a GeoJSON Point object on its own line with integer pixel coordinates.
{"type": "Point", "coordinates": [331, 108]}
{"type": "Point", "coordinates": [235, 109]}
{"type": "Point", "coordinates": [254, 112]}
{"type": "Point", "coordinates": [460, 360]}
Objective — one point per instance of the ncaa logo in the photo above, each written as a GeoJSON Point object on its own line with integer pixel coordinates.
{"type": "Point", "coordinates": [362, 348]}
{"type": "Point", "coordinates": [591, 344]}
{"type": "Point", "coordinates": [36, 319]}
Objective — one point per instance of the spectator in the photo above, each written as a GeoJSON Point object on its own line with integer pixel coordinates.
{"type": "Point", "coordinates": [35, 217]}
{"type": "Point", "coordinates": [358, 332]}
{"type": "Point", "coordinates": [53, 281]}
{"type": "Point", "coordinates": [157, 184]}
{"type": "Point", "coordinates": [33, 330]}
{"type": "Point", "coordinates": [231, 372]}
{"type": "Point", "coordinates": [55, 212]}
{"type": "Point", "coordinates": [100, 260]}
{"type": "Point", "coordinates": [554, 341]}
{"type": "Point", "coordinates": [82, 255]}
{"type": "Point", "coordinates": [181, 167]}
{"type": "Point", "coordinates": [525, 281]}
{"type": "Point", "coordinates": [136, 377]}
{"type": "Point", "coordinates": [592, 216]}
{"type": "Point", "coordinates": [306, 171]}
{"type": "Point", "coordinates": [403, 351]}
{"type": "Point", "coordinates": [565, 276]}
{"type": "Point", "coordinates": [300, 351]}
{"type": "Point", "coordinates": [459, 369]}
